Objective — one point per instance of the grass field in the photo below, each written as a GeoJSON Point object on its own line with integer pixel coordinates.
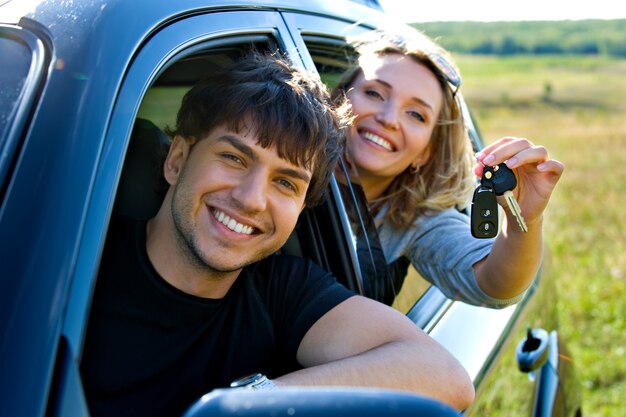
{"type": "Point", "coordinates": [575, 106]}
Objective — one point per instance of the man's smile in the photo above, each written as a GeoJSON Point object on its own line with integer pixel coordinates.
{"type": "Point", "coordinates": [231, 223]}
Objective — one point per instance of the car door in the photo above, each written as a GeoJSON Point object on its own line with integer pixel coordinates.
{"type": "Point", "coordinates": [165, 64]}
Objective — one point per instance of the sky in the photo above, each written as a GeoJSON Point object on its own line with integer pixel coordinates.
{"type": "Point", "coordinates": [413, 11]}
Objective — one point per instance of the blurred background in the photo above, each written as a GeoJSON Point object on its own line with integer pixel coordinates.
{"type": "Point", "coordinates": [555, 72]}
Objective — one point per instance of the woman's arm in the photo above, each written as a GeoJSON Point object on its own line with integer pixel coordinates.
{"type": "Point", "coordinates": [515, 257]}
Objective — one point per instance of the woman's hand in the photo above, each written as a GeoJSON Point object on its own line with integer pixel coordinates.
{"type": "Point", "coordinates": [536, 173]}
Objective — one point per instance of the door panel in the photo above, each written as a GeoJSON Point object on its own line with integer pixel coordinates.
{"type": "Point", "coordinates": [502, 389]}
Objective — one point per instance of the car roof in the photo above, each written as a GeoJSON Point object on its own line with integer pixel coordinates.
{"type": "Point", "coordinates": [85, 15]}
{"type": "Point", "coordinates": [109, 30]}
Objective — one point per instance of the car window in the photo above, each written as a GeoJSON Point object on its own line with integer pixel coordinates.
{"type": "Point", "coordinates": [20, 72]}
{"type": "Point", "coordinates": [314, 236]}
{"type": "Point", "coordinates": [168, 63]}
{"type": "Point", "coordinates": [319, 234]}
{"type": "Point", "coordinates": [141, 186]}
{"type": "Point", "coordinates": [162, 100]}
{"type": "Point", "coordinates": [413, 288]}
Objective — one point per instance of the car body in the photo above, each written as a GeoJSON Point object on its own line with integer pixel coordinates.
{"type": "Point", "coordinates": [79, 79]}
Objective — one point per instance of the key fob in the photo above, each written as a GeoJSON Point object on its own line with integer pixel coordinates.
{"type": "Point", "coordinates": [501, 178]}
{"type": "Point", "coordinates": [484, 215]}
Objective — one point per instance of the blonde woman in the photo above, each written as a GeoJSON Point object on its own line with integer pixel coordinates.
{"type": "Point", "coordinates": [409, 144]}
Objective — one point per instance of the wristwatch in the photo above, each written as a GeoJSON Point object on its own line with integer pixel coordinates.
{"type": "Point", "coordinates": [254, 381]}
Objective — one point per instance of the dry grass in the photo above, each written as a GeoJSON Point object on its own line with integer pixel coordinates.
{"type": "Point", "coordinates": [580, 118]}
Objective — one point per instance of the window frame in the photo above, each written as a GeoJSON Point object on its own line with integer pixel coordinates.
{"type": "Point", "coordinates": [153, 57]}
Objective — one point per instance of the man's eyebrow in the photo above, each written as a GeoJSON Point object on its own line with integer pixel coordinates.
{"type": "Point", "coordinates": [238, 143]}
{"type": "Point", "coordinates": [415, 99]}
{"type": "Point", "coordinates": [249, 152]}
{"type": "Point", "coordinates": [294, 173]}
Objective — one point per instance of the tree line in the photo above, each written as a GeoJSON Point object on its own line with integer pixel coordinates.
{"type": "Point", "coordinates": [583, 37]}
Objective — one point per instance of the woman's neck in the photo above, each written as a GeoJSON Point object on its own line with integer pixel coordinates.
{"type": "Point", "coordinates": [374, 187]}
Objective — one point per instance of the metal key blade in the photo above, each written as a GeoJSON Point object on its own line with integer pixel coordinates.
{"type": "Point", "coordinates": [511, 201]}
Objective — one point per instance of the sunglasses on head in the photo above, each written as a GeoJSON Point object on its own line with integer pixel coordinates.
{"type": "Point", "coordinates": [451, 74]}
{"type": "Point", "coordinates": [415, 42]}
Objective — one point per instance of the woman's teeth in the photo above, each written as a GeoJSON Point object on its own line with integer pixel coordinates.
{"type": "Point", "coordinates": [377, 140]}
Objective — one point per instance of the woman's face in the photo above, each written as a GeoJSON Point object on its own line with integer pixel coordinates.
{"type": "Point", "coordinates": [396, 102]}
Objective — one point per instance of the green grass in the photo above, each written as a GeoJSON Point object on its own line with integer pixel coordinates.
{"type": "Point", "coordinates": [581, 119]}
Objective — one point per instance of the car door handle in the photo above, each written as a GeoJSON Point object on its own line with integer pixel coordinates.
{"type": "Point", "coordinates": [532, 352]}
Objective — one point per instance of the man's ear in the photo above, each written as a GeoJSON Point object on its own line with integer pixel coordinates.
{"type": "Point", "coordinates": [176, 159]}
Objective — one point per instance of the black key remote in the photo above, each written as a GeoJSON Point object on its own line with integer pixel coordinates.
{"type": "Point", "coordinates": [484, 217]}
{"type": "Point", "coordinates": [500, 178]}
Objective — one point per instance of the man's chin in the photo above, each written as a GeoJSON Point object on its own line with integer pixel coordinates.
{"type": "Point", "coordinates": [235, 263]}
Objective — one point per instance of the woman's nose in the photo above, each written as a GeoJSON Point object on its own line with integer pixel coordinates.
{"type": "Point", "coordinates": [388, 118]}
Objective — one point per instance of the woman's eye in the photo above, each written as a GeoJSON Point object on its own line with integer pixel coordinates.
{"type": "Point", "coordinates": [373, 93]}
{"type": "Point", "coordinates": [417, 116]}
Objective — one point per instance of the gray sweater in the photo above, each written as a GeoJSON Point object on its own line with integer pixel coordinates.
{"type": "Point", "coordinates": [442, 250]}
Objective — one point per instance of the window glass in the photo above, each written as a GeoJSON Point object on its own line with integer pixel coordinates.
{"type": "Point", "coordinates": [164, 97]}
{"type": "Point", "coordinates": [332, 57]}
{"type": "Point", "coordinates": [160, 104]}
{"type": "Point", "coordinates": [20, 69]}
{"type": "Point", "coordinates": [16, 60]}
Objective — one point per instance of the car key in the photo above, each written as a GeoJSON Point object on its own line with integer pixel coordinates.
{"type": "Point", "coordinates": [503, 181]}
{"type": "Point", "coordinates": [484, 216]}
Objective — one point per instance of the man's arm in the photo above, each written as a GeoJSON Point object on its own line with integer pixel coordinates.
{"type": "Point", "coordinates": [364, 343]}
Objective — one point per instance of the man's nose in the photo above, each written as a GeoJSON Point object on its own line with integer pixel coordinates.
{"type": "Point", "coordinates": [251, 192]}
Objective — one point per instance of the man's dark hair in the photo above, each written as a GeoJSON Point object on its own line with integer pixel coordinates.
{"type": "Point", "coordinates": [286, 107]}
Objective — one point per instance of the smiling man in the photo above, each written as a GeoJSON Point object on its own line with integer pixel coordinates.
{"type": "Point", "coordinates": [196, 297]}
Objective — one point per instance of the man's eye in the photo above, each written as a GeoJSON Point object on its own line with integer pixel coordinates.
{"type": "Point", "coordinates": [232, 157]}
{"type": "Point", "coordinates": [287, 184]}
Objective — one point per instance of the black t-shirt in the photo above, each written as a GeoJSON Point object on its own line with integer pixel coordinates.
{"type": "Point", "coordinates": [152, 350]}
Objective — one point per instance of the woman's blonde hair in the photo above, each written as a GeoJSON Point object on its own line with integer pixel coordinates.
{"type": "Point", "coordinates": [445, 180]}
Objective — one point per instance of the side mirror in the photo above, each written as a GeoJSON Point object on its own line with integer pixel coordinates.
{"type": "Point", "coordinates": [532, 352]}
{"type": "Point", "coordinates": [315, 402]}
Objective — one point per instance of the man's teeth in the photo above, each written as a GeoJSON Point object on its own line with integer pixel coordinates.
{"type": "Point", "coordinates": [377, 140]}
{"type": "Point", "coordinates": [232, 224]}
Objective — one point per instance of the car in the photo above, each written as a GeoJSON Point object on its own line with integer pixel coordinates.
{"type": "Point", "coordinates": [86, 90]}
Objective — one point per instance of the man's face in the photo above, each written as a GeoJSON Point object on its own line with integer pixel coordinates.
{"type": "Point", "coordinates": [234, 202]}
